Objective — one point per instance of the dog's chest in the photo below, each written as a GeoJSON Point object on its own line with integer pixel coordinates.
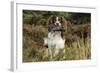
{"type": "Point", "coordinates": [55, 40]}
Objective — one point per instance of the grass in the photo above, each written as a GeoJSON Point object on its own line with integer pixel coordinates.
{"type": "Point", "coordinates": [76, 51]}
{"type": "Point", "coordinates": [34, 51]}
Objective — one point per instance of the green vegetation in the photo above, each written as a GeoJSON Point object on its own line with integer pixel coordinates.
{"type": "Point", "coordinates": [78, 40]}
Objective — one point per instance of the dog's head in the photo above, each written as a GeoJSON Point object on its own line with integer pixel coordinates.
{"type": "Point", "coordinates": [57, 23]}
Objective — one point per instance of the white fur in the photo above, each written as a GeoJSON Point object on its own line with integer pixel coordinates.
{"type": "Point", "coordinates": [55, 43]}
{"type": "Point", "coordinates": [55, 40]}
{"type": "Point", "coordinates": [45, 41]}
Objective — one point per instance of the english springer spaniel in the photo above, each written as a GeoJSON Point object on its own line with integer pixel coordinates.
{"type": "Point", "coordinates": [56, 28]}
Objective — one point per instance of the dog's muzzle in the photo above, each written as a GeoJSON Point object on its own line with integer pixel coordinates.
{"type": "Point", "coordinates": [58, 29]}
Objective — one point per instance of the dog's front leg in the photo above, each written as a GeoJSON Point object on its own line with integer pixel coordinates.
{"type": "Point", "coordinates": [56, 52]}
{"type": "Point", "coordinates": [50, 54]}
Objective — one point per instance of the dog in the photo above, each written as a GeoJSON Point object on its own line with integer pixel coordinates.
{"type": "Point", "coordinates": [57, 25]}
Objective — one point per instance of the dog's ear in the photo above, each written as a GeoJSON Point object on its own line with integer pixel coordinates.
{"type": "Point", "coordinates": [64, 23]}
{"type": "Point", "coordinates": [50, 23]}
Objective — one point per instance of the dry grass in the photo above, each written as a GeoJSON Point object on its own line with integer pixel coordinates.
{"type": "Point", "coordinates": [34, 51]}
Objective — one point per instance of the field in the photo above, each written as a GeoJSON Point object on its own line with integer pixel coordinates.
{"type": "Point", "coordinates": [34, 51]}
{"type": "Point", "coordinates": [78, 37]}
